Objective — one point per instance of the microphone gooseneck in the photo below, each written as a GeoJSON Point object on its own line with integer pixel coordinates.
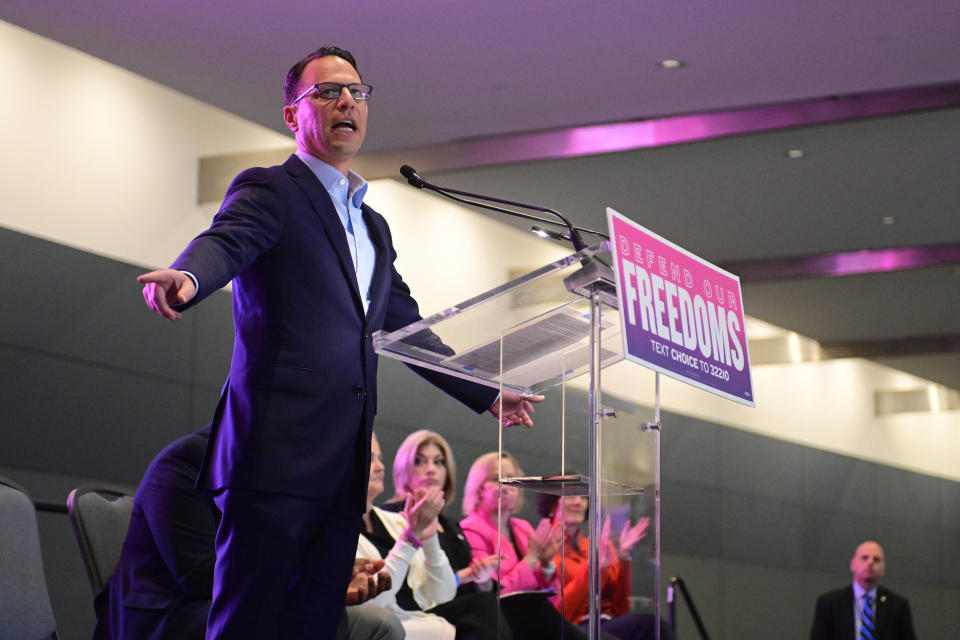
{"type": "Point", "coordinates": [573, 232]}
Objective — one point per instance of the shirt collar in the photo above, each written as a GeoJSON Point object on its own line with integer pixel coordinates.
{"type": "Point", "coordinates": [330, 177]}
{"type": "Point", "coordinates": [858, 592]}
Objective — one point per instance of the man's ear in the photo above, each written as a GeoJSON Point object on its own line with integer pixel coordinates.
{"type": "Point", "coordinates": [290, 117]}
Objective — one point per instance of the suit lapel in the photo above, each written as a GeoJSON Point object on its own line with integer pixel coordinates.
{"type": "Point", "coordinates": [847, 613]}
{"type": "Point", "coordinates": [323, 207]}
{"type": "Point", "coordinates": [879, 611]}
{"type": "Point", "coordinates": [381, 278]}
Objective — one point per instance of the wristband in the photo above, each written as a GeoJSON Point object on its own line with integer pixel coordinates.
{"type": "Point", "coordinates": [456, 574]}
{"type": "Point", "coordinates": [412, 539]}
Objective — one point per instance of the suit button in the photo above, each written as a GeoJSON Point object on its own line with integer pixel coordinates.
{"type": "Point", "coordinates": [358, 391]}
{"type": "Point", "coordinates": [366, 335]}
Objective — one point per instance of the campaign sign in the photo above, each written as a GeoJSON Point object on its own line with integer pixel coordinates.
{"type": "Point", "coordinates": [681, 315]}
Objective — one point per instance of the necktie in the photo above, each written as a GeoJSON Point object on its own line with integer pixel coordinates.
{"type": "Point", "coordinates": [867, 620]}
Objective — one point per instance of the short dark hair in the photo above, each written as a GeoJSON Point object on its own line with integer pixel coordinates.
{"type": "Point", "coordinates": [292, 82]}
{"type": "Point", "coordinates": [546, 504]}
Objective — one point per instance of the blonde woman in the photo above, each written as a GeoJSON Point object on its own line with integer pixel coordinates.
{"type": "Point", "coordinates": [526, 554]}
{"type": "Point", "coordinates": [425, 461]}
{"type": "Point", "coordinates": [414, 558]}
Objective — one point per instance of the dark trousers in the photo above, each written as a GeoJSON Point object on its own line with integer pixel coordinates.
{"type": "Point", "coordinates": [633, 626]}
{"type": "Point", "coordinates": [528, 616]}
{"type": "Point", "coordinates": [475, 616]}
{"type": "Point", "coordinates": [283, 565]}
{"type": "Point", "coordinates": [532, 616]}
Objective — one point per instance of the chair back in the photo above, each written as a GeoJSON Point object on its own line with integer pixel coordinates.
{"type": "Point", "coordinates": [25, 610]}
{"type": "Point", "coordinates": [100, 515]}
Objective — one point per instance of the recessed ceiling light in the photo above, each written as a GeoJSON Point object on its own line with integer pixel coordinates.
{"type": "Point", "coordinates": [887, 220]}
{"type": "Point", "coordinates": [796, 154]}
{"type": "Point", "coordinates": [672, 63]}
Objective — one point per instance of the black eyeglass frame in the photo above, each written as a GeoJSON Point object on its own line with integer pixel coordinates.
{"type": "Point", "coordinates": [357, 94]}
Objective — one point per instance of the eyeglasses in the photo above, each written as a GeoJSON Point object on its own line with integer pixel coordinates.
{"type": "Point", "coordinates": [333, 90]}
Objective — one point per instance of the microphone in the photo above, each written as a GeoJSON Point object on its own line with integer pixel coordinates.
{"type": "Point", "coordinates": [412, 176]}
{"type": "Point", "coordinates": [573, 232]}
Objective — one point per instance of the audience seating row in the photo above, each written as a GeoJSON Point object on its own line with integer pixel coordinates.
{"type": "Point", "coordinates": [100, 515]}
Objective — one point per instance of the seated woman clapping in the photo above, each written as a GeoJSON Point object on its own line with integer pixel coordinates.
{"type": "Point", "coordinates": [425, 460]}
{"type": "Point", "coordinates": [615, 570]}
{"type": "Point", "coordinates": [414, 558]}
{"type": "Point", "coordinates": [526, 553]}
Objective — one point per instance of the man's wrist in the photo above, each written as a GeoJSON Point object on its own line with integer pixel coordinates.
{"type": "Point", "coordinates": [196, 283]}
{"type": "Point", "coordinates": [496, 401]}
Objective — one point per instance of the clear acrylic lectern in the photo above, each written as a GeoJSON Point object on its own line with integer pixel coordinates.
{"type": "Point", "coordinates": [552, 331]}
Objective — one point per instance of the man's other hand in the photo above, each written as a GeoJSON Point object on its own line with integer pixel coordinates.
{"type": "Point", "coordinates": [516, 408]}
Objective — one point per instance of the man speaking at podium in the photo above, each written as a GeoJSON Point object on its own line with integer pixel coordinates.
{"type": "Point", "coordinates": [313, 278]}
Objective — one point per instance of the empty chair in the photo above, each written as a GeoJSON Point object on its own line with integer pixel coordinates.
{"type": "Point", "coordinates": [100, 514]}
{"type": "Point", "coordinates": [25, 611]}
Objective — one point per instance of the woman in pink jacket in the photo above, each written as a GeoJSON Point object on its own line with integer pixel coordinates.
{"type": "Point", "coordinates": [526, 562]}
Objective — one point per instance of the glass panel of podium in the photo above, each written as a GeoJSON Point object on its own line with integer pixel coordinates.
{"type": "Point", "coordinates": [556, 483]}
{"type": "Point", "coordinates": [592, 468]}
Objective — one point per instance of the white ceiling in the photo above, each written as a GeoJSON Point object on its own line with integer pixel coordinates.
{"type": "Point", "coordinates": [448, 70]}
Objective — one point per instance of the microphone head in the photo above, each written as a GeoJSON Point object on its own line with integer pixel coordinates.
{"type": "Point", "coordinates": [410, 174]}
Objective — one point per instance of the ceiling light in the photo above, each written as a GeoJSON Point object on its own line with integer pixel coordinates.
{"type": "Point", "coordinates": [887, 220]}
{"type": "Point", "coordinates": [796, 154]}
{"type": "Point", "coordinates": [671, 63]}
{"type": "Point", "coordinates": [791, 348]}
{"type": "Point", "coordinates": [935, 404]}
{"type": "Point", "coordinates": [930, 399]}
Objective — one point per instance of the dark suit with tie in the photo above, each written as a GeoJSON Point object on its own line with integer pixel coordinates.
{"type": "Point", "coordinates": [291, 434]}
{"type": "Point", "coordinates": [834, 617]}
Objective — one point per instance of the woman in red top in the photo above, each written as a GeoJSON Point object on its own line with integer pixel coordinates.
{"type": "Point", "coordinates": [615, 571]}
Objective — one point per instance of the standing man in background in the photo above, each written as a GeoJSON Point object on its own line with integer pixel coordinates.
{"type": "Point", "coordinates": [314, 278]}
{"type": "Point", "coordinates": [865, 610]}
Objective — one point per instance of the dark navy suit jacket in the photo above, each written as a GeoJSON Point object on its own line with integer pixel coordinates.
{"type": "Point", "coordinates": [296, 413]}
{"type": "Point", "coordinates": [833, 619]}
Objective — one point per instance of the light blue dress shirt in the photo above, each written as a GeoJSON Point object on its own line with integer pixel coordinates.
{"type": "Point", "coordinates": [347, 193]}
